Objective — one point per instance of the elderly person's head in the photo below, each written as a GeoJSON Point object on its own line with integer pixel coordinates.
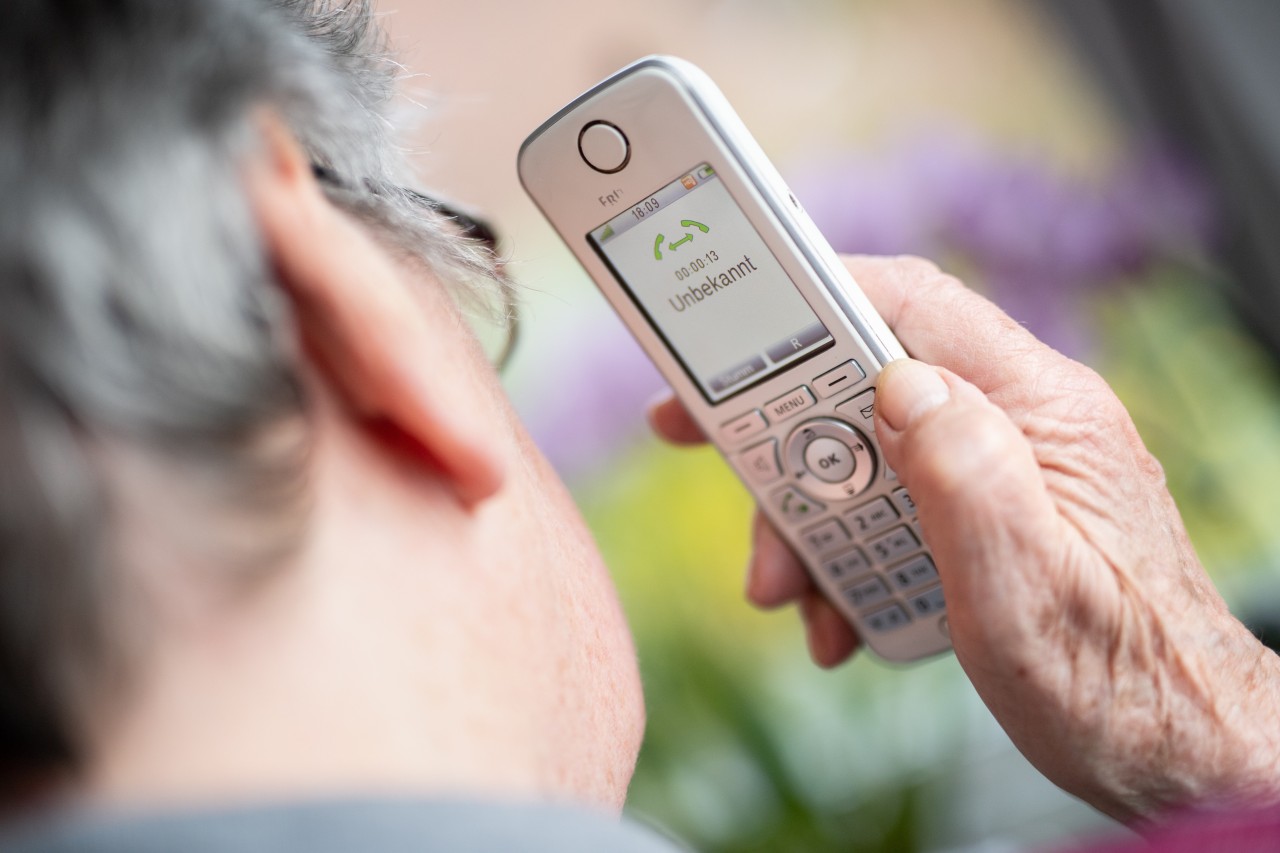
{"type": "Point", "coordinates": [267, 522]}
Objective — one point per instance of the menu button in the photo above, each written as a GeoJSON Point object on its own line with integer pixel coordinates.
{"type": "Point", "coordinates": [789, 404]}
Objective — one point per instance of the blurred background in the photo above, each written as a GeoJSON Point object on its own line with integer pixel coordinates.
{"type": "Point", "coordinates": [1106, 171]}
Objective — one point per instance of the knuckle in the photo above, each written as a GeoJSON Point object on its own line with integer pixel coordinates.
{"type": "Point", "coordinates": [915, 266]}
{"type": "Point", "coordinates": [1092, 401]}
{"type": "Point", "coordinates": [1087, 382]}
{"type": "Point", "coordinates": [1151, 468]}
{"type": "Point", "coordinates": [936, 287]}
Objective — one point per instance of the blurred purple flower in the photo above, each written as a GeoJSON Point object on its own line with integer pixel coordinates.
{"type": "Point", "coordinates": [1038, 239]}
{"type": "Point", "coordinates": [595, 406]}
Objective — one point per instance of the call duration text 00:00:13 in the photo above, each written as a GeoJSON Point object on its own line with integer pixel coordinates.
{"type": "Point", "coordinates": [696, 265]}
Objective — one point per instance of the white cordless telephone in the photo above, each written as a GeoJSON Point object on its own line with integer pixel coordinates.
{"type": "Point", "coordinates": [668, 202]}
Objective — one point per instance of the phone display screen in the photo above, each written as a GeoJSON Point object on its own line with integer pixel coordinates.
{"type": "Point", "coordinates": [702, 275]}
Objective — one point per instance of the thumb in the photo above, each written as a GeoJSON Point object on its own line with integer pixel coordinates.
{"type": "Point", "coordinates": [978, 489]}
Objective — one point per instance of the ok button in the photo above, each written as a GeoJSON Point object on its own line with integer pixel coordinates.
{"type": "Point", "coordinates": [829, 459]}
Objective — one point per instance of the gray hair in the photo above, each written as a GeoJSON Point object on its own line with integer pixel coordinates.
{"type": "Point", "coordinates": [138, 314]}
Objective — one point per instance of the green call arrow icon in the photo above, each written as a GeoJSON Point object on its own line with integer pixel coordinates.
{"type": "Point", "coordinates": [684, 223]}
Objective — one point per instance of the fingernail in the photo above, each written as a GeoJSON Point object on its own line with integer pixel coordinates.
{"type": "Point", "coordinates": [750, 589]}
{"type": "Point", "coordinates": [907, 391]}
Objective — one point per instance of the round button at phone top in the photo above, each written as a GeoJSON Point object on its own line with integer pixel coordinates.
{"type": "Point", "coordinates": [829, 459]}
{"type": "Point", "coordinates": [604, 147]}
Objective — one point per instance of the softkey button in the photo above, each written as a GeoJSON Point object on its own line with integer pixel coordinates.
{"type": "Point", "coordinates": [790, 404]}
{"type": "Point", "coordinates": [870, 517]}
{"type": "Point", "coordinates": [892, 617]}
{"type": "Point", "coordinates": [842, 378]}
{"type": "Point", "coordinates": [798, 342]}
{"type": "Point", "coordinates": [825, 537]}
{"type": "Point", "coordinates": [737, 374]}
{"type": "Point", "coordinates": [761, 462]}
{"type": "Point", "coordinates": [795, 507]}
{"type": "Point", "coordinates": [744, 426]}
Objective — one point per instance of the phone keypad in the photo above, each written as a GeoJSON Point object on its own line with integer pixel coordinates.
{"type": "Point", "coordinates": [872, 551]}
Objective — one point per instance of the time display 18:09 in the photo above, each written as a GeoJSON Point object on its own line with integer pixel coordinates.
{"type": "Point", "coordinates": [696, 265]}
{"type": "Point", "coordinates": [644, 208]}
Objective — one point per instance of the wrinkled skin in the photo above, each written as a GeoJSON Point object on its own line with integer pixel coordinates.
{"type": "Point", "coordinates": [1078, 607]}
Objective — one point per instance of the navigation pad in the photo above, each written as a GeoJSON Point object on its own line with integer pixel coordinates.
{"type": "Point", "coordinates": [830, 459]}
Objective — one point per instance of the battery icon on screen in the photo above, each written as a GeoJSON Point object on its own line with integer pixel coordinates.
{"type": "Point", "coordinates": [706, 172]}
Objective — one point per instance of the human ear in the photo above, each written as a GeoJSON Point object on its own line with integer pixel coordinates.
{"type": "Point", "coordinates": [384, 349]}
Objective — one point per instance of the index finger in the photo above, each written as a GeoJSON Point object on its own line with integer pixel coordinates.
{"type": "Point", "coordinates": [670, 419]}
{"type": "Point", "coordinates": [944, 323]}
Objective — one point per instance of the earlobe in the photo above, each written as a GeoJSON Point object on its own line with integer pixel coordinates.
{"type": "Point", "coordinates": [382, 351]}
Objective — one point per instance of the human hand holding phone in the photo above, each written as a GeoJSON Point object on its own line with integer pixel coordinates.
{"type": "Point", "coordinates": [1078, 607]}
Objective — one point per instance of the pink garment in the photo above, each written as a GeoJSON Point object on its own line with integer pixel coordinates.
{"type": "Point", "coordinates": [1205, 832]}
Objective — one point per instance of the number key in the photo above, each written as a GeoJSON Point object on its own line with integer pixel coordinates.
{"type": "Point", "coordinates": [914, 573]}
{"type": "Point", "coordinates": [847, 565]}
{"type": "Point", "coordinates": [866, 592]}
{"type": "Point", "coordinates": [871, 516]}
{"type": "Point", "coordinates": [825, 537]}
{"type": "Point", "coordinates": [896, 543]}
{"type": "Point", "coordinates": [888, 619]}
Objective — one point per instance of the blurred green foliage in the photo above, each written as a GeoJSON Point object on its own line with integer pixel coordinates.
{"type": "Point", "coordinates": [1206, 399]}
{"type": "Point", "coordinates": [749, 746]}
{"type": "Point", "coordinates": [752, 748]}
